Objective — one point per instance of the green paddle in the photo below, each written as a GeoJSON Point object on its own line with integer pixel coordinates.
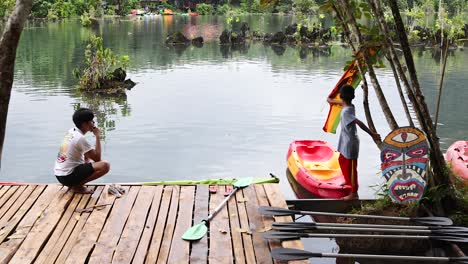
{"type": "Point", "coordinates": [198, 231]}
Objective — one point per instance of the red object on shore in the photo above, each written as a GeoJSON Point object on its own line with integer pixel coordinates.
{"type": "Point", "coordinates": [193, 14]}
{"type": "Point", "coordinates": [314, 165]}
{"type": "Point", "coordinates": [457, 157]}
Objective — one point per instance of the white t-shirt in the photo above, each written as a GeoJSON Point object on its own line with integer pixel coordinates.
{"type": "Point", "coordinates": [71, 153]}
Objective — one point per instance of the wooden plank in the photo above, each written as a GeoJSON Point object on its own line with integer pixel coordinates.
{"type": "Point", "coordinates": [276, 199]}
{"type": "Point", "coordinates": [239, 256]}
{"type": "Point", "coordinates": [110, 234]}
{"type": "Point", "coordinates": [17, 204]}
{"type": "Point", "coordinates": [219, 233]}
{"type": "Point", "coordinates": [61, 227]}
{"type": "Point", "coordinates": [267, 220]}
{"type": "Point", "coordinates": [169, 230]}
{"type": "Point", "coordinates": [262, 251]}
{"type": "Point", "coordinates": [42, 229]}
{"type": "Point", "coordinates": [7, 227]}
{"type": "Point", "coordinates": [180, 249]}
{"type": "Point", "coordinates": [132, 232]}
{"type": "Point", "coordinates": [3, 190]}
{"type": "Point", "coordinates": [5, 198]}
{"type": "Point", "coordinates": [9, 247]}
{"type": "Point", "coordinates": [75, 226]}
{"type": "Point", "coordinates": [244, 224]}
{"type": "Point", "coordinates": [199, 252]}
{"type": "Point", "coordinates": [149, 226]}
{"type": "Point", "coordinates": [153, 251]}
{"type": "Point", "coordinates": [90, 232]}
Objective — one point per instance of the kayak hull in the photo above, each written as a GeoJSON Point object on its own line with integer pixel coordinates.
{"type": "Point", "coordinates": [314, 165]}
{"type": "Point", "coordinates": [457, 157]}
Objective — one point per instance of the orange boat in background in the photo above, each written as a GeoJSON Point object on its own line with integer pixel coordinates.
{"type": "Point", "coordinates": [167, 12]}
{"type": "Point", "coordinates": [314, 165]}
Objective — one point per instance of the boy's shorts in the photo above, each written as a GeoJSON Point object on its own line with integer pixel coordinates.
{"type": "Point", "coordinates": [79, 174]}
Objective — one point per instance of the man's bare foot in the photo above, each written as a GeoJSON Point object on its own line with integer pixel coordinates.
{"type": "Point", "coordinates": [81, 189]}
{"type": "Point", "coordinates": [352, 196]}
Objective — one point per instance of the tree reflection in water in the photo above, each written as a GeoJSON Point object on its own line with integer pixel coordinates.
{"type": "Point", "coordinates": [107, 109]}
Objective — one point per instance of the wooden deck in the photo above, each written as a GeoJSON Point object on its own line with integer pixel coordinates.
{"type": "Point", "coordinates": [47, 224]}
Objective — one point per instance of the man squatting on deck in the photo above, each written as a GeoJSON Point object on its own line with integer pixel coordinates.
{"type": "Point", "coordinates": [77, 161]}
{"type": "Point", "coordinates": [348, 143]}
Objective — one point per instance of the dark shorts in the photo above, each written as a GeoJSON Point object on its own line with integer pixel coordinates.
{"type": "Point", "coordinates": [79, 174]}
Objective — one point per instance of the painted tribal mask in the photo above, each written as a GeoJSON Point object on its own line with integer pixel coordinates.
{"type": "Point", "coordinates": [404, 164]}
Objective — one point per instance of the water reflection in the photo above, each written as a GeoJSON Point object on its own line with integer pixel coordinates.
{"type": "Point", "coordinates": [107, 109]}
{"type": "Point", "coordinates": [228, 50]}
{"type": "Point", "coordinates": [299, 191]}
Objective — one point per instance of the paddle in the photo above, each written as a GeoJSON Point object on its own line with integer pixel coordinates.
{"type": "Point", "coordinates": [434, 220]}
{"type": "Point", "coordinates": [198, 231]}
{"type": "Point", "coordinates": [415, 227]}
{"type": "Point", "coordinates": [293, 236]}
{"type": "Point", "coordinates": [304, 227]}
{"type": "Point", "coordinates": [289, 254]}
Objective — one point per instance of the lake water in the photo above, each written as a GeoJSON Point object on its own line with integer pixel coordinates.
{"type": "Point", "coordinates": [199, 113]}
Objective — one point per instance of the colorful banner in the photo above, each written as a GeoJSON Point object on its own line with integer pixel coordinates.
{"type": "Point", "coordinates": [351, 77]}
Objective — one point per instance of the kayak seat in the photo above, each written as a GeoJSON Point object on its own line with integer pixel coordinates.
{"type": "Point", "coordinates": [325, 170]}
{"type": "Point", "coordinates": [315, 153]}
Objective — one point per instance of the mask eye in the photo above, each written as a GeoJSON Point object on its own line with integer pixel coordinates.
{"type": "Point", "coordinates": [389, 155]}
{"type": "Point", "coordinates": [417, 152]}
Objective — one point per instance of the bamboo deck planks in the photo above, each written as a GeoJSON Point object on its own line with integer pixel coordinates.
{"type": "Point", "coordinates": [199, 252]}
{"type": "Point", "coordinates": [149, 226]}
{"type": "Point", "coordinates": [219, 232]}
{"type": "Point", "coordinates": [180, 249]}
{"type": "Point", "coordinates": [43, 224]}
{"type": "Point", "coordinates": [130, 237]}
{"type": "Point", "coordinates": [110, 234]}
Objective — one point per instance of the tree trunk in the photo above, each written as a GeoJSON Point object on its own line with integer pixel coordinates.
{"type": "Point", "coordinates": [378, 90]}
{"type": "Point", "coordinates": [437, 159]}
{"type": "Point", "coordinates": [365, 87]}
{"type": "Point", "coordinates": [8, 44]}
{"type": "Point", "coordinates": [392, 57]}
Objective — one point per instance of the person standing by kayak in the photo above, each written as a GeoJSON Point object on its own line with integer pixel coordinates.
{"type": "Point", "coordinates": [348, 143]}
{"type": "Point", "coordinates": [73, 166]}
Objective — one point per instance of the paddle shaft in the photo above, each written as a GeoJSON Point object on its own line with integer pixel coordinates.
{"type": "Point", "coordinates": [364, 229]}
{"type": "Point", "coordinates": [367, 236]}
{"type": "Point", "coordinates": [434, 220]}
{"type": "Point", "coordinates": [371, 225]}
{"type": "Point", "coordinates": [221, 204]}
{"type": "Point", "coordinates": [355, 215]}
{"type": "Point", "coordinates": [386, 257]}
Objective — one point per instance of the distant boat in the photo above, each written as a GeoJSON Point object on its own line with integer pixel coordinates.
{"type": "Point", "coordinates": [167, 12]}
{"type": "Point", "coordinates": [137, 12]}
{"type": "Point", "coordinates": [193, 14]}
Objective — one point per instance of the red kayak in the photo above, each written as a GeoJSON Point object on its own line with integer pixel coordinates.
{"type": "Point", "coordinates": [457, 157]}
{"type": "Point", "coordinates": [314, 165]}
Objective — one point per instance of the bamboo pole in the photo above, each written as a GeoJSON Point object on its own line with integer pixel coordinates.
{"type": "Point", "coordinates": [441, 83]}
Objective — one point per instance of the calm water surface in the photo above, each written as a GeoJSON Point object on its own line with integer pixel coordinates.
{"type": "Point", "coordinates": [198, 113]}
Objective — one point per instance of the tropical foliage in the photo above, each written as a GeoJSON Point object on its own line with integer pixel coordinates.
{"type": "Point", "coordinates": [99, 66]}
{"type": "Point", "coordinates": [418, 12]}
